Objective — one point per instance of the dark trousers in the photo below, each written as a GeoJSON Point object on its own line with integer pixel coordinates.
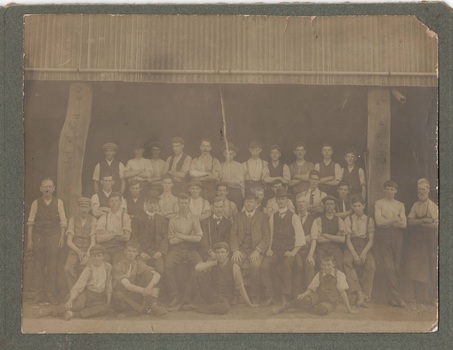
{"type": "Point", "coordinates": [201, 293]}
{"type": "Point", "coordinates": [88, 304]}
{"type": "Point", "coordinates": [46, 252]}
{"type": "Point", "coordinates": [332, 249]}
{"type": "Point", "coordinates": [178, 187]}
{"type": "Point", "coordinates": [390, 245]}
{"type": "Point", "coordinates": [235, 195]}
{"type": "Point", "coordinates": [114, 255]}
{"type": "Point", "coordinates": [72, 269]}
{"type": "Point", "coordinates": [174, 258]}
{"type": "Point", "coordinates": [124, 300]}
{"type": "Point", "coordinates": [315, 303]}
{"type": "Point", "coordinates": [280, 266]}
{"type": "Point", "coordinates": [303, 272]}
{"type": "Point", "coordinates": [359, 277]}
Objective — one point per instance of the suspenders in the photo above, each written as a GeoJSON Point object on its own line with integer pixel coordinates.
{"type": "Point", "coordinates": [248, 169]}
{"type": "Point", "coordinates": [107, 220]}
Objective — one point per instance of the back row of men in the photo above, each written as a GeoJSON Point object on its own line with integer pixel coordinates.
{"type": "Point", "coordinates": [280, 246]}
{"type": "Point", "coordinates": [253, 173]}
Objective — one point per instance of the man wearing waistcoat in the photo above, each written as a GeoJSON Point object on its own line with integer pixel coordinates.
{"type": "Point", "coordinates": [287, 237]}
{"type": "Point", "coordinates": [329, 171]}
{"type": "Point", "coordinates": [112, 166]}
{"type": "Point", "coordinates": [46, 227]}
{"type": "Point", "coordinates": [100, 204]}
{"type": "Point", "coordinates": [178, 165]}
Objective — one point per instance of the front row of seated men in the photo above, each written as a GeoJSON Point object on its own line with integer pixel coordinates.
{"type": "Point", "coordinates": [194, 259]}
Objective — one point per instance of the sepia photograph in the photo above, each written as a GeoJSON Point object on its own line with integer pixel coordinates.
{"type": "Point", "coordinates": [230, 174]}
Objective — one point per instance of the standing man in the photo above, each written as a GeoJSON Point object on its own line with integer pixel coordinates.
{"type": "Point", "coordinates": [230, 209]}
{"type": "Point", "coordinates": [158, 167]}
{"type": "Point", "coordinates": [112, 166]}
{"type": "Point", "coordinates": [422, 247]}
{"type": "Point", "coordinates": [216, 228]}
{"type": "Point", "coordinates": [178, 165]}
{"type": "Point", "coordinates": [113, 229]}
{"type": "Point", "coordinates": [329, 233]}
{"type": "Point", "coordinates": [300, 170]}
{"type": "Point", "coordinates": [255, 169]}
{"type": "Point", "coordinates": [250, 238]}
{"type": "Point", "coordinates": [287, 237]}
{"type": "Point", "coordinates": [232, 174]}
{"type": "Point", "coordinates": [353, 175]}
{"type": "Point", "coordinates": [184, 237]}
{"type": "Point", "coordinates": [277, 170]}
{"type": "Point", "coordinates": [46, 227]}
{"type": "Point", "coordinates": [138, 168]}
{"type": "Point", "coordinates": [150, 232]}
{"type": "Point", "coordinates": [206, 169]}
{"type": "Point", "coordinates": [329, 171]}
{"type": "Point", "coordinates": [343, 208]}
{"type": "Point", "coordinates": [390, 219]}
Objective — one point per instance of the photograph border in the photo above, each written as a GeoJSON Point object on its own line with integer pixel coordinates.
{"type": "Point", "coordinates": [437, 16]}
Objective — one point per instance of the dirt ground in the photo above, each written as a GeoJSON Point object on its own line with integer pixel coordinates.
{"type": "Point", "coordinates": [241, 319]}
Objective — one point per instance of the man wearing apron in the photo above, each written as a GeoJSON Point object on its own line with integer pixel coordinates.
{"type": "Point", "coordinates": [422, 244]}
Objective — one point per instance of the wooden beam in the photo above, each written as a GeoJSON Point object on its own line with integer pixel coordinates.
{"type": "Point", "coordinates": [71, 147]}
{"type": "Point", "coordinates": [379, 124]}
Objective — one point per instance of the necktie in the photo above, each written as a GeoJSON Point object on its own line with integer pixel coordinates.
{"type": "Point", "coordinates": [312, 197]}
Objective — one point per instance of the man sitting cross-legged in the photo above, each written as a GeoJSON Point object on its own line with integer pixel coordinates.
{"type": "Point", "coordinates": [135, 284]}
{"type": "Point", "coordinates": [213, 285]}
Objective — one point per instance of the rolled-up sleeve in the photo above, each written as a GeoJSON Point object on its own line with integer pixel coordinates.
{"type": "Point", "coordinates": [237, 276]}
{"type": "Point", "coordinates": [62, 214]}
{"type": "Point", "coordinates": [197, 231]}
{"type": "Point", "coordinates": [32, 215]}
{"type": "Point", "coordinates": [314, 283]}
{"type": "Point", "coordinates": [81, 283]}
{"type": "Point", "coordinates": [299, 232]}
{"type": "Point", "coordinates": [70, 230]}
{"type": "Point", "coordinates": [342, 284]}
{"type": "Point", "coordinates": [316, 229]}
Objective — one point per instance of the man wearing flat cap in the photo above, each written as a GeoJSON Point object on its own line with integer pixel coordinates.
{"type": "Point", "coordinates": [158, 167]}
{"type": "Point", "coordinates": [150, 232]}
{"type": "Point", "coordinates": [178, 165]}
{"type": "Point", "coordinates": [329, 233]}
{"type": "Point", "coordinates": [287, 237]}
{"type": "Point", "coordinates": [250, 239]}
{"type": "Point", "coordinates": [81, 237]}
{"type": "Point", "coordinates": [138, 168]}
{"type": "Point", "coordinates": [206, 169]}
{"type": "Point", "coordinates": [423, 221]}
{"type": "Point", "coordinates": [232, 174]}
{"type": "Point", "coordinates": [112, 166]}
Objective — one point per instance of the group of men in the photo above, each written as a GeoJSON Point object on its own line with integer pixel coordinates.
{"type": "Point", "coordinates": [205, 232]}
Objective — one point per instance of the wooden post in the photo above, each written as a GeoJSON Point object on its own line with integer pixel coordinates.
{"type": "Point", "coordinates": [379, 124]}
{"type": "Point", "coordinates": [71, 147]}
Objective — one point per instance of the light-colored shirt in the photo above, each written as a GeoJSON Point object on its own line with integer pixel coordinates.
{"type": "Point", "coordinates": [338, 170]}
{"type": "Point", "coordinates": [97, 279]}
{"type": "Point", "coordinates": [130, 271]}
{"type": "Point", "coordinates": [158, 167]}
{"type": "Point", "coordinates": [342, 285]}
{"type": "Point", "coordinates": [302, 221]}
{"type": "Point", "coordinates": [316, 229]}
{"type": "Point", "coordinates": [197, 206]}
{"type": "Point", "coordinates": [232, 174]}
{"type": "Point", "coordinates": [230, 209]}
{"type": "Point", "coordinates": [137, 164]}
{"type": "Point", "coordinates": [167, 204]}
{"type": "Point", "coordinates": [357, 226]}
{"type": "Point", "coordinates": [317, 195]}
{"type": "Point", "coordinates": [389, 210]}
{"type": "Point", "coordinates": [298, 229]}
{"type": "Point", "coordinates": [255, 169]}
{"type": "Point", "coordinates": [206, 163]}
{"type": "Point", "coordinates": [97, 170]}
{"type": "Point", "coordinates": [427, 209]}
{"type": "Point", "coordinates": [95, 203]}
{"type": "Point", "coordinates": [272, 206]}
{"type": "Point", "coordinates": [60, 208]}
{"type": "Point", "coordinates": [184, 224]}
{"type": "Point", "coordinates": [70, 230]}
{"type": "Point", "coordinates": [112, 222]}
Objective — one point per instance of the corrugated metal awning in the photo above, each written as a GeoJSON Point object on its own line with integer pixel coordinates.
{"type": "Point", "coordinates": [359, 50]}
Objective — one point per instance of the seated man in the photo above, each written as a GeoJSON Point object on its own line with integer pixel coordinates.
{"type": "Point", "coordinates": [230, 209]}
{"type": "Point", "coordinates": [178, 165]}
{"type": "Point", "coordinates": [216, 229]}
{"type": "Point", "coordinates": [213, 285]}
{"type": "Point", "coordinates": [167, 202]}
{"type": "Point", "coordinates": [113, 229]}
{"type": "Point", "coordinates": [112, 166]}
{"type": "Point", "coordinates": [92, 294]}
{"type": "Point", "coordinates": [249, 239]}
{"type": "Point", "coordinates": [359, 265]}
{"type": "Point", "coordinates": [323, 293]}
{"type": "Point", "coordinates": [138, 168]}
{"type": "Point", "coordinates": [287, 237]}
{"type": "Point", "coordinates": [313, 195]}
{"type": "Point", "coordinates": [184, 236]}
{"type": "Point", "coordinates": [271, 205]}
{"type": "Point", "coordinates": [328, 232]}
{"type": "Point", "coordinates": [135, 284]}
{"type": "Point", "coordinates": [150, 232]}
{"type": "Point", "coordinates": [198, 206]}
{"type": "Point", "coordinates": [81, 237]}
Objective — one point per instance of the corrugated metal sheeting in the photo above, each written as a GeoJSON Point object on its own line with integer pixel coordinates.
{"type": "Point", "coordinates": [359, 50]}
